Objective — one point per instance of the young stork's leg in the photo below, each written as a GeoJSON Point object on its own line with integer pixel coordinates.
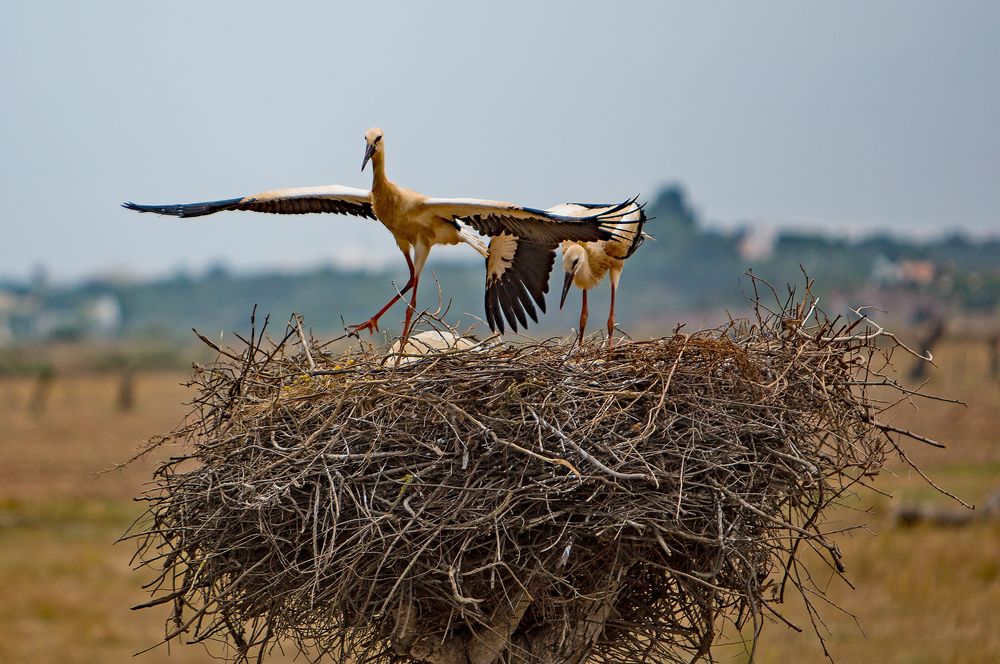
{"type": "Point", "coordinates": [614, 276]}
{"type": "Point", "coordinates": [583, 316]}
{"type": "Point", "coordinates": [372, 323]}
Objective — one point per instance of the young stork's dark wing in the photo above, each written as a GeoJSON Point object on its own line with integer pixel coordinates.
{"type": "Point", "coordinates": [495, 218]}
{"type": "Point", "coordinates": [517, 272]}
{"type": "Point", "coordinates": [300, 200]}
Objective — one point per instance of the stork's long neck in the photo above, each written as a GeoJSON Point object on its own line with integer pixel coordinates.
{"type": "Point", "coordinates": [584, 275]}
{"type": "Point", "coordinates": [380, 181]}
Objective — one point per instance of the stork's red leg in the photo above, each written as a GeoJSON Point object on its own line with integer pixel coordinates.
{"type": "Point", "coordinates": [409, 312]}
{"type": "Point", "coordinates": [372, 323]}
{"type": "Point", "coordinates": [583, 316]}
{"type": "Point", "coordinates": [611, 317]}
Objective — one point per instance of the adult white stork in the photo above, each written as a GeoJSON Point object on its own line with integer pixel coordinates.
{"type": "Point", "coordinates": [585, 263]}
{"type": "Point", "coordinates": [417, 222]}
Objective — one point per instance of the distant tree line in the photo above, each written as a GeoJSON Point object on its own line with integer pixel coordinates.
{"type": "Point", "coordinates": [688, 267]}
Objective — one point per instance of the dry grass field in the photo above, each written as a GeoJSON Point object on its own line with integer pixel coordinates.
{"type": "Point", "coordinates": [925, 594]}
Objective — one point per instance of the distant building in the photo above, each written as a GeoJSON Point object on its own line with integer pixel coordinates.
{"type": "Point", "coordinates": [917, 273]}
{"type": "Point", "coordinates": [104, 314]}
{"type": "Point", "coordinates": [905, 272]}
{"type": "Point", "coordinates": [26, 316]}
{"type": "Point", "coordinates": [756, 242]}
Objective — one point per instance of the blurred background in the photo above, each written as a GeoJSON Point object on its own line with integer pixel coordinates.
{"type": "Point", "coordinates": [856, 142]}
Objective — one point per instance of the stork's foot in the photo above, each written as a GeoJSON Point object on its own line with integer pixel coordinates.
{"type": "Point", "coordinates": [371, 325]}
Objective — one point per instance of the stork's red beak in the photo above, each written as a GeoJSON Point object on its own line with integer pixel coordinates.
{"type": "Point", "coordinates": [369, 151]}
{"type": "Point", "coordinates": [566, 284]}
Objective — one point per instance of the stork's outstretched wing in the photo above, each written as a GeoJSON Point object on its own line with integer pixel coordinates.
{"type": "Point", "coordinates": [299, 200]}
{"type": "Point", "coordinates": [495, 218]}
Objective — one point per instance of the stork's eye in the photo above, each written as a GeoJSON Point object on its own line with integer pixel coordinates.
{"type": "Point", "coordinates": [378, 138]}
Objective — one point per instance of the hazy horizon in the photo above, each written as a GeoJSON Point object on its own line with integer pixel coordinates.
{"type": "Point", "coordinates": [849, 117]}
{"type": "Point", "coordinates": [381, 261]}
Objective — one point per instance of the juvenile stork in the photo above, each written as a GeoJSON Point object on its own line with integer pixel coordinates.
{"type": "Point", "coordinates": [417, 222]}
{"type": "Point", "coordinates": [517, 270]}
{"type": "Point", "coordinates": [585, 263]}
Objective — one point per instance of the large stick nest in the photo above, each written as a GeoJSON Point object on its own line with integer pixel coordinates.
{"type": "Point", "coordinates": [533, 502]}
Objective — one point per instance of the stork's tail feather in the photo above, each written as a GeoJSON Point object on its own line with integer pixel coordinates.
{"type": "Point", "coordinates": [624, 222]}
{"type": "Point", "coordinates": [639, 236]}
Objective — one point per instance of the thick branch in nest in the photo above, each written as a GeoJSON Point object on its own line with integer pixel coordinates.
{"type": "Point", "coordinates": [536, 502]}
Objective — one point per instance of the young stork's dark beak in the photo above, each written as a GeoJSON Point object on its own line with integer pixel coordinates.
{"type": "Point", "coordinates": [566, 284]}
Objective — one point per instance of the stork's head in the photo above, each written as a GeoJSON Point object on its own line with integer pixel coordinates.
{"type": "Point", "coordinates": [373, 144]}
{"type": "Point", "coordinates": [574, 256]}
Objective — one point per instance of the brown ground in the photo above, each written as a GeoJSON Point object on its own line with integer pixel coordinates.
{"type": "Point", "coordinates": [927, 594]}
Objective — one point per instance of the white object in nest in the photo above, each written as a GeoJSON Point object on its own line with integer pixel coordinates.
{"type": "Point", "coordinates": [428, 343]}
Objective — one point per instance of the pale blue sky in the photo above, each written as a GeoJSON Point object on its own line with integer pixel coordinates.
{"type": "Point", "coordinates": [844, 115]}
